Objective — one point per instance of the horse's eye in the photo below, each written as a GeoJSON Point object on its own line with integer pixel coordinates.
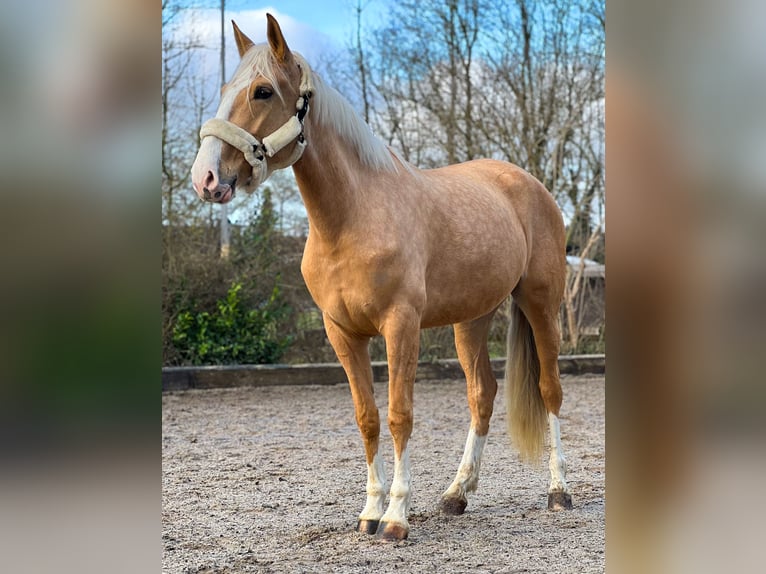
{"type": "Point", "coordinates": [262, 93]}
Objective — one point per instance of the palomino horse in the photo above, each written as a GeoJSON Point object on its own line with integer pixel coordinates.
{"type": "Point", "coordinates": [393, 249]}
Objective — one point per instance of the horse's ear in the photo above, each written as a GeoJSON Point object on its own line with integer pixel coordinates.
{"type": "Point", "coordinates": [243, 42]}
{"type": "Point", "coordinates": [276, 39]}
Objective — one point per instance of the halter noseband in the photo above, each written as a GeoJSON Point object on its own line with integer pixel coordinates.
{"type": "Point", "coordinates": [255, 152]}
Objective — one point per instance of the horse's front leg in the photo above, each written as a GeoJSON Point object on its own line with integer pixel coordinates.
{"type": "Point", "coordinates": [401, 330]}
{"type": "Point", "coordinates": [353, 354]}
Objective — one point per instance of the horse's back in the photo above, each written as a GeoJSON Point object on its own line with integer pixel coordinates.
{"type": "Point", "coordinates": [531, 202]}
{"type": "Point", "coordinates": [498, 198]}
{"type": "Point", "coordinates": [524, 191]}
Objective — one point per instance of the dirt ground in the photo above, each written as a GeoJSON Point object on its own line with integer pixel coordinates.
{"type": "Point", "coordinates": [272, 479]}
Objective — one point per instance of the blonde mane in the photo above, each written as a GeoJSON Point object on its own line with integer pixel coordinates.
{"type": "Point", "coordinates": [328, 108]}
{"type": "Point", "coordinates": [334, 111]}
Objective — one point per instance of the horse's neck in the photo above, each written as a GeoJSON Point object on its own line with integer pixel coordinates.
{"type": "Point", "coordinates": [332, 181]}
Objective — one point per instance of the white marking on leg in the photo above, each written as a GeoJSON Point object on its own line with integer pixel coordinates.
{"type": "Point", "coordinates": [376, 490]}
{"type": "Point", "coordinates": [399, 505]}
{"type": "Point", "coordinates": [557, 463]}
{"type": "Point", "coordinates": [467, 477]}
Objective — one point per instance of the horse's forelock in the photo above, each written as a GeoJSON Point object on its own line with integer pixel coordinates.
{"type": "Point", "coordinates": [258, 61]}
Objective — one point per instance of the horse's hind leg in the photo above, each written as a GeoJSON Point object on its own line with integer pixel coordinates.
{"type": "Point", "coordinates": [471, 345]}
{"type": "Point", "coordinates": [354, 356]}
{"type": "Point", "coordinates": [540, 304]}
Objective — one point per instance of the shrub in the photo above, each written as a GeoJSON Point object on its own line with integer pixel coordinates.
{"type": "Point", "coordinates": [232, 334]}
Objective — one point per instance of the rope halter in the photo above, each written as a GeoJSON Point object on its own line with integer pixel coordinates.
{"type": "Point", "coordinates": [255, 152]}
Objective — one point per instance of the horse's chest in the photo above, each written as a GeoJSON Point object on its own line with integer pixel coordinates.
{"type": "Point", "coordinates": [352, 289]}
{"type": "Point", "coordinates": [326, 279]}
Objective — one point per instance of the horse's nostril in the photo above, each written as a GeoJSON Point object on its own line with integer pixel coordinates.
{"type": "Point", "coordinates": [217, 194]}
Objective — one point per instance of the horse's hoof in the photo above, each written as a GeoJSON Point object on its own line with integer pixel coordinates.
{"type": "Point", "coordinates": [453, 506]}
{"type": "Point", "coordinates": [559, 501]}
{"type": "Point", "coordinates": [390, 532]}
{"type": "Point", "coordinates": [367, 526]}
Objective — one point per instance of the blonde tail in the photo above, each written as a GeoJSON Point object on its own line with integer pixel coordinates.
{"type": "Point", "coordinates": [527, 417]}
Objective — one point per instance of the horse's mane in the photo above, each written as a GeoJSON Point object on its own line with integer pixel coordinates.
{"type": "Point", "coordinates": [333, 110]}
{"type": "Point", "coordinates": [328, 108]}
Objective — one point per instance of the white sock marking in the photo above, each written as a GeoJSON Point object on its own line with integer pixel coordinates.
{"type": "Point", "coordinates": [399, 505]}
{"type": "Point", "coordinates": [467, 477]}
{"type": "Point", "coordinates": [557, 463]}
{"type": "Point", "coordinates": [376, 490]}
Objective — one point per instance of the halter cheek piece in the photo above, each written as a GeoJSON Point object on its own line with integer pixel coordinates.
{"type": "Point", "coordinates": [254, 151]}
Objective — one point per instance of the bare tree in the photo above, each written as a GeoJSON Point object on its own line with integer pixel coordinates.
{"type": "Point", "coordinates": [573, 300]}
{"type": "Point", "coordinates": [511, 79]}
{"type": "Point", "coordinates": [547, 111]}
{"type": "Point", "coordinates": [184, 101]}
{"type": "Point", "coordinates": [361, 60]}
{"type": "Point", "coordinates": [423, 73]}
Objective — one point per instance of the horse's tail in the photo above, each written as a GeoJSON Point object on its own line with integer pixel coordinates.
{"type": "Point", "coordinates": [527, 416]}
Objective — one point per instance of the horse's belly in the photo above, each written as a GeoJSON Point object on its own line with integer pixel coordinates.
{"type": "Point", "coordinates": [456, 302]}
{"type": "Point", "coordinates": [463, 285]}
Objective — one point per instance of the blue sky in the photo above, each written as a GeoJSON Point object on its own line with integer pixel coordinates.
{"type": "Point", "coordinates": [332, 20]}
{"type": "Point", "coordinates": [311, 28]}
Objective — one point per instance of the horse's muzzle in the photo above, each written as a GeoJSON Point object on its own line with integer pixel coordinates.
{"type": "Point", "coordinates": [215, 191]}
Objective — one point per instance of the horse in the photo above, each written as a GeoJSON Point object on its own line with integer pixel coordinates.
{"type": "Point", "coordinates": [393, 249]}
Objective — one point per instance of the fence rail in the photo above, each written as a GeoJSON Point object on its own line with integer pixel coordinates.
{"type": "Point", "coordinates": [227, 376]}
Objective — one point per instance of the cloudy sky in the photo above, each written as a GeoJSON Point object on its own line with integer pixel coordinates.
{"type": "Point", "coordinates": [309, 27]}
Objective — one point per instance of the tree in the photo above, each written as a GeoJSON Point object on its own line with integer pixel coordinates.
{"type": "Point", "coordinates": [184, 100]}
{"type": "Point", "coordinates": [549, 71]}
{"type": "Point", "coordinates": [422, 72]}
{"type": "Point", "coordinates": [512, 79]}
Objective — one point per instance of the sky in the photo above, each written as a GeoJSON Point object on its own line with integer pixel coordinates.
{"type": "Point", "coordinates": [333, 18]}
{"type": "Point", "coordinates": [310, 27]}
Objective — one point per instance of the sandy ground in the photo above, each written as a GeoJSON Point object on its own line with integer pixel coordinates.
{"type": "Point", "coordinates": [272, 479]}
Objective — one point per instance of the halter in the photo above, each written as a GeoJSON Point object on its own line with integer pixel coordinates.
{"type": "Point", "coordinates": [255, 152]}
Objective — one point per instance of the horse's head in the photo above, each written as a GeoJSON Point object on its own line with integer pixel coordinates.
{"type": "Point", "coordinates": [258, 127]}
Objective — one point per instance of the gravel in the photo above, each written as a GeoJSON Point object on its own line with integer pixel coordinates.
{"type": "Point", "coordinates": [272, 479]}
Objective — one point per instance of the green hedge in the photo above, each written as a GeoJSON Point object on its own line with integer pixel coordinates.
{"type": "Point", "coordinates": [233, 333]}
